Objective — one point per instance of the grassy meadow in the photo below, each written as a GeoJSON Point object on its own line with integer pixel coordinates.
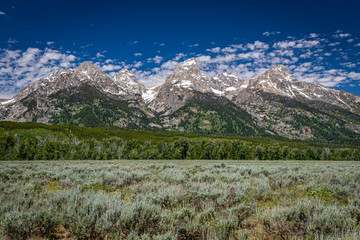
{"type": "Point", "coordinates": [180, 200]}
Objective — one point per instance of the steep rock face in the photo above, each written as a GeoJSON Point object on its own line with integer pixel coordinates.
{"type": "Point", "coordinates": [127, 84]}
{"type": "Point", "coordinates": [279, 81]}
{"type": "Point", "coordinates": [227, 84]}
{"type": "Point", "coordinates": [178, 88]}
{"type": "Point", "coordinates": [188, 76]}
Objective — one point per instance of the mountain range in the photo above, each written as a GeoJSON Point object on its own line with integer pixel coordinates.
{"type": "Point", "coordinates": [272, 104]}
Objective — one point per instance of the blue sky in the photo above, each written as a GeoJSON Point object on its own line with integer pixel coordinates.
{"type": "Point", "coordinates": [318, 41]}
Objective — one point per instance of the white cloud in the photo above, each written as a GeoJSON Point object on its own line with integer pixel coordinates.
{"type": "Point", "coordinates": [342, 35]}
{"type": "Point", "coordinates": [132, 43]}
{"type": "Point", "coordinates": [348, 64]}
{"type": "Point", "coordinates": [2, 13]}
{"type": "Point", "coordinates": [99, 55]}
{"type": "Point", "coordinates": [228, 50]}
{"type": "Point", "coordinates": [302, 43]}
{"type": "Point", "coordinates": [334, 44]}
{"type": "Point", "coordinates": [110, 67]}
{"type": "Point", "coordinates": [137, 64]}
{"type": "Point", "coordinates": [354, 76]}
{"type": "Point", "coordinates": [156, 59]}
{"type": "Point", "coordinates": [214, 50]}
{"type": "Point", "coordinates": [49, 43]}
{"type": "Point", "coordinates": [137, 54]}
{"type": "Point", "coordinates": [258, 45]}
{"type": "Point", "coordinates": [12, 41]}
{"type": "Point", "coordinates": [179, 56]}
{"type": "Point", "coordinates": [314, 35]}
{"type": "Point", "coordinates": [357, 45]}
{"type": "Point", "coordinates": [194, 45]}
{"type": "Point", "coordinates": [157, 75]}
{"type": "Point", "coordinates": [267, 34]}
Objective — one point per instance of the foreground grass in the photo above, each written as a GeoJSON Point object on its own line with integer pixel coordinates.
{"type": "Point", "coordinates": [179, 200]}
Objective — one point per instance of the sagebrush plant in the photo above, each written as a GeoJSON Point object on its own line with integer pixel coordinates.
{"type": "Point", "coordinates": [179, 200]}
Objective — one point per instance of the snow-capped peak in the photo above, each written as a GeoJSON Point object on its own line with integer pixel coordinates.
{"type": "Point", "coordinates": [124, 75]}
{"type": "Point", "coordinates": [189, 65]}
{"type": "Point", "coordinates": [281, 73]}
{"type": "Point", "coordinates": [85, 71]}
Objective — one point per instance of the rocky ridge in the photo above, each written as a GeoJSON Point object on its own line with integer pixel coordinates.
{"type": "Point", "coordinates": [275, 100]}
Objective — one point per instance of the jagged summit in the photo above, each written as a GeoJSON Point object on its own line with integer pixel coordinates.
{"type": "Point", "coordinates": [86, 66]}
{"type": "Point", "coordinates": [188, 67]}
{"type": "Point", "coordinates": [85, 71]}
{"type": "Point", "coordinates": [276, 80]}
{"type": "Point", "coordinates": [124, 75]}
{"type": "Point", "coordinates": [127, 83]}
{"type": "Point", "coordinates": [188, 76]}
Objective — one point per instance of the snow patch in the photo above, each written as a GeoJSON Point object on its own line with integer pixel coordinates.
{"type": "Point", "coordinates": [226, 74]}
{"type": "Point", "coordinates": [342, 101]}
{"type": "Point", "coordinates": [230, 89]}
{"type": "Point", "coordinates": [217, 92]}
{"type": "Point", "coordinates": [245, 85]}
{"type": "Point", "coordinates": [149, 95]}
{"type": "Point", "coordinates": [300, 91]}
{"type": "Point", "coordinates": [8, 101]}
{"type": "Point", "coordinates": [185, 84]}
{"type": "Point", "coordinates": [189, 62]}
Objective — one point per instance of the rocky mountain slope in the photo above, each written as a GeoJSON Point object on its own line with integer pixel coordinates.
{"type": "Point", "coordinates": [274, 103]}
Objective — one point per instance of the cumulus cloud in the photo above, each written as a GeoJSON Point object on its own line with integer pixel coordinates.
{"type": "Point", "coordinates": [109, 67]}
{"type": "Point", "coordinates": [257, 45]}
{"type": "Point", "coordinates": [156, 59]}
{"type": "Point", "coordinates": [99, 55]}
{"type": "Point", "coordinates": [179, 56]}
{"type": "Point", "coordinates": [157, 75]}
{"type": "Point", "coordinates": [214, 50]}
{"type": "Point", "coordinates": [301, 43]}
{"type": "Point", "coordinates": [2, 13]}
{"type": "Point", "coordinates": [334, 44]}
{"type": "Point", "coordinates": [314, 35]}
{"type": "Point", "coordinates": [342, 35]}
{"type": "Point", "coordinates": [137, 54]}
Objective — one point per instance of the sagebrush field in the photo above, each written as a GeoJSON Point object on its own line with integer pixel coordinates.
{"type": "Point", "coordinates": [180, 200]}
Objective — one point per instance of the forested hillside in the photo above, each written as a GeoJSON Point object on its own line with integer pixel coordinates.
{"type": "Point", "coordinates": [32, 141]}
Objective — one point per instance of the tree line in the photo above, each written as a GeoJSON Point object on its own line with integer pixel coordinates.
{"type": "Point", "coordinates": [37, 145]}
